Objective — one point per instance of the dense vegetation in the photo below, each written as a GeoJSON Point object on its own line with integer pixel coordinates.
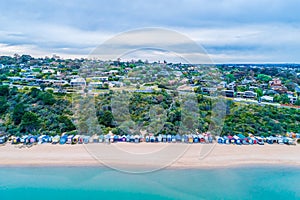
{"type": "Point", "coordinates": [35, 111]}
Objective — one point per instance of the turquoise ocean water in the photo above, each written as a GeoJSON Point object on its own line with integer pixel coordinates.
{"type": "Point", "coordinates": [102, 183]}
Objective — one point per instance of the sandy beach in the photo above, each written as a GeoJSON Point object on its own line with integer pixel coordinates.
{"type": "Point", "coordinates": [147, 154]}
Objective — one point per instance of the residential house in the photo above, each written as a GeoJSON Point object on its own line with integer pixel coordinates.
{"type": "Point", "coordinates": [250, 94]}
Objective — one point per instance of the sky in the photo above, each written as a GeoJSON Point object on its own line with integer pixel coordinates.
{"type": "Point", "coordinates": [230, 31]}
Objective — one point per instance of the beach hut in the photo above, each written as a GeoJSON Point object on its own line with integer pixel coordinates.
{"type": "Point", "coordinates": [221, 140]}
{"type": "Point", "coordinates": [75, 139]}
{"type": "Point", "coordinates": [269, 140]}
{"type": "Point", "coordinates": [169, 138]}
{"type": "Point", "coordinates": [152, 138]}
{"type": "Point", "coordinates": [238, 140]}
{"type": "Point", "coordinates": [70, 139]}
{"type": "Point", "coordinates": [3, 139]}
{"type": "Point", "coordinates": [226, 140]}
{"type": "Point", "coordinates": [185, 138]}
{"type": "Point", "coordinates": [46, 139]}
{"type": "Point", "coordinates": [201, 138]}
{"type": "Point", "coordinates": [164, 138]}
{"type": "Point", "coordinates": [63, 139]}
{"type": "Point", "coordinates": [131, 138]}
{"type": "Point", "coordinates": [291, 141]}
{"type": "Point", "coordinates": [159, 138]}
{"type": "Point", "coordinates": [23, 139]}
{"type": "Point", "coordinates": [31, 139]}
{"type": "Point", "coordinates": [178, 138]}
{"type": "Point", "coordinates": [15, 140]}
{"type": "Point", "coordinates": [232, 140]}
{"type": "Point", "coordinates": [97, 139]}
{"type": "Point", "coordinates": [136, 138]}
{"type": "Point", "coordinates": [196, 139]}
{"type": "Point", "coordinates": [107, 138]}
{"type": "Point", "coordinates": [242, 139]}
{"type": "Point", "coordinates": [40, 139]}
{"type": "Point", "coordinates": [116, 138]}
{"type": "Point", "coordinates": [80, 139]}
{"type": "Point", "coordinates": [147, 138]}
{"type": "Point", "coordinates": [245, 141]}
{"type": "Point", "coordinates": [205, 138]}
{"type": "Point", "coordinates": [249, 140]}
{"type": "Point", "coordinates": [100, 138]}
{"type": "Point", "coordinates": [86, 139]}
{"type": "Point", "coordinates": [173, 138]}
{"type": "Point", "coordinates": [190, 139]}
{"type": "Point", "coordinates": [260, 140]}
{"type": "Point", "coordinates": [55, 139]}
{"type": "Point", "coordinates": [210, 138]}
{"type": "Point", "coordinates": [123, 138]}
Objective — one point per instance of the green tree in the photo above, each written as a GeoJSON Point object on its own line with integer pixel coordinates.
{"type": "Point", "coordinates": [106, 118]}
{"type": "Point", "coordinates": [47, 98]}
{"type": "Point", "coordinates": [4, 90]}
{"type": "Point", "coordinates": [66, 124]}
{"type": "Point", "coordinates": [30, 122]}
{"type": "Point", "coordinates": [3, 105]}
{"type": "Point", "coordinates": [259, 92]}
{"type": "Point", "coordinates": [284, 99]}
{"type": "Point", "coordinates": [264, 78]}
{"type": "Point", "coordinates": [230, 78]}
{"type": "Point", "coordinates": [18, 113]}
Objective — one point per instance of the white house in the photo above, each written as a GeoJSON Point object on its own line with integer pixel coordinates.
{"type": "Point", "coordinates": [78, 82]}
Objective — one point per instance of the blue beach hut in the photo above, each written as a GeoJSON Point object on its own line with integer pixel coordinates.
{"type": "Point", "coordinates": [221, 140]}
{"type": "Point", "coordinates": [86, 139]}
{"type": "Point", "coordinates": [63, 139]}
{"type": "Point", "coordinates": [169, 138]}
{"type": "Point", "coordinates": [152, 138]}
{"type": "Point", "coordinates": [178, 138]}
{"type": "Point", "coordinates": [164, 138]}
{"type": "Point", "coordinates": [15, 140]}
{"type": "Point", "coordinates": [3, 139]}
{"type": "Point", "coordinates": [147, 138]}
{"type": "Point", "coordinates": [196, 139]}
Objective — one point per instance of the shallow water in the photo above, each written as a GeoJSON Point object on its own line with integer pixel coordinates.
{"type": "Point", "coordinates": [103, 183]}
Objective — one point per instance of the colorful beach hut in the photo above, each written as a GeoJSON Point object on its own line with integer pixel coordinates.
{"type": "Point", "coordinates": [63, 139]}
{"type": "Point", "coordinates": [164, 138]}
{"type": "Point", "coordinates": [260, 140]}
{"type": "Point", "coordinates": [123, 138]}
{"type": "Point", "coordinates": [196, 139]}
{"type": "Point", "coordinates": [70, 139]}
{"type": "Point", "coordinates": [169, 138]}
{"type": "Point", "coordinates": [190, 139]}
{"type": "Point", "coordinates": [152, 138]}
{"type": "Point", "coordinates": [137, 138]}
{"type": "Point", "coordinates": [75, 139]}
{"type": "Point", "coordinates": [178, 138]}
{"type": "Point", "coordinates": [80, 139]}
{"type": "Point", "coordinates": [221, 140]}
{"type": "Point", "coordinates": [15, 140]}
{"type": "Point", "coordinates": [3, 139]}
{"type": "Point", "coordinates": [159, 138]}
{"type": "Point", "coordinates": [55, 139]}
{"type": "Point", "coordinates": [86, 139]}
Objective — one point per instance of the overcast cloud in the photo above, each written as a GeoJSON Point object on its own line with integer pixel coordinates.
{"type": "Point", "coordinates": [230, 31]}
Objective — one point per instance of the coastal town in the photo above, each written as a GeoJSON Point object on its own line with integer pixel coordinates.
{"type": "Point", "coordinates": [48, 81]}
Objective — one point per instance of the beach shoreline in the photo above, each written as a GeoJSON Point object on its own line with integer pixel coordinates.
{"type": "Point", "coordinates": [219, 156]}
